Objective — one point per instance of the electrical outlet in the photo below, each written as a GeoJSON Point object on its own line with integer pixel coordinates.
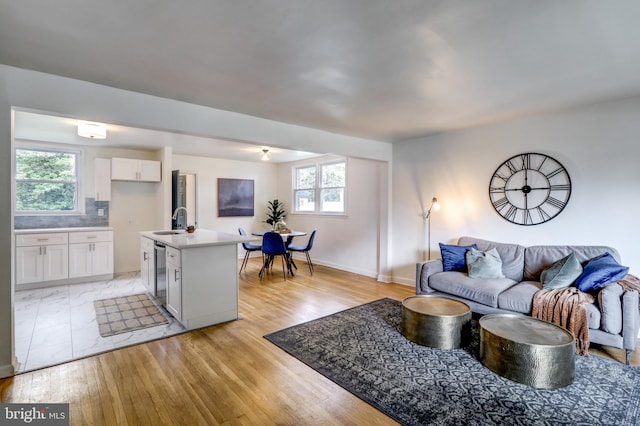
{"type": "Point", "coordinates": [100, 212]}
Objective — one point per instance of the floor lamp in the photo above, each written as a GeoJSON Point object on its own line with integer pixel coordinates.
{"type": "Point", "coordinates": [427, 217]}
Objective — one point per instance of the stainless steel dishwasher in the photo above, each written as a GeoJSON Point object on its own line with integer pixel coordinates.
{"type": "Point", "coordinates": [161, 273]}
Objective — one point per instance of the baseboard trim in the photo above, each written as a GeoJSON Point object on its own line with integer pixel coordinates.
{"type": "Point", "coordinates": [6, 371]}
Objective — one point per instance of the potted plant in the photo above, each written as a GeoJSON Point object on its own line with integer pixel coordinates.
{"type": "Point", "coordinates": [275, 213]}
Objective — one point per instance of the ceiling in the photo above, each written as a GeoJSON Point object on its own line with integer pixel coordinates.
{"type": "Point", "coordinates": [377, 69]}
{"type": "Point", "coordinates": [38, 127]}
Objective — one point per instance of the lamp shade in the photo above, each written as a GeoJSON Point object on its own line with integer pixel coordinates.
{"type": "Point", "coordinates": [92, 130]}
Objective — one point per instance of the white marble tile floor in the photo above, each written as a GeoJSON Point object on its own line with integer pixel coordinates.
{"type": "Point", "coordinates": [58, 324]}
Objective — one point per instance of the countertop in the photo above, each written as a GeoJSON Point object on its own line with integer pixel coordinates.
{"type": "Point", "coordinates": [51, 230]}
{"type": "Point", "coordinates": [200, 238]}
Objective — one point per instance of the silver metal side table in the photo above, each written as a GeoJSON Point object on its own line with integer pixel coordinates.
{"type": "Point", "coordinates": [527, 350]}
{"type": "Point", "coordinates": [437, 322]}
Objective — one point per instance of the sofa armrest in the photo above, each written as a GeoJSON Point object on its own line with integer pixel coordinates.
{"type": "Point", "coordinates": [423, 271]}
{"type": "Point", "coordinates": [630, 319]}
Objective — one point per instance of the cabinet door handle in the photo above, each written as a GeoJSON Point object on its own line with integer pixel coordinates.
{"type": "Point", "coordinates": [45, 250]}
{"type": "Point", "coordinates": [144, 256]}
{"type": "Point", "coordinates": [176, 275]}
{"type": "Point", "coordinates": [43, 239]}
{"type": "Point", "coordinates": [39, 251]}
{"type": "Point", "coordinates": [92, 237]}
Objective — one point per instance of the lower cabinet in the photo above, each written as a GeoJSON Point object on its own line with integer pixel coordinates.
{"type": "Point", "coordinates": [86, 259]}
{"type": "Point", "coordinates": [174, 283]}
{"type": "Point", "coordinates": [41, 257]}
{"type": "Point", "coordinates": [147, 264]}
{"type": "Point", "coordinates": [90, 253]}
{"type": "Point", "coordinates": [41, 263]}
{"type": "Point", "coordinates": [202, 284]}
{"type": "Point", "coordinates": [52, 258]}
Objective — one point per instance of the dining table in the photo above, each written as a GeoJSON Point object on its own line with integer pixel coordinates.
{"type": "Point", "coordinates": [287, 238]}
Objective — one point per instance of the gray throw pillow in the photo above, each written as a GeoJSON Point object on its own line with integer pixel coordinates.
{"type": "Point", "coordinates": [561, 274]}
{"type": "Point", "coordinates": [484, 264]}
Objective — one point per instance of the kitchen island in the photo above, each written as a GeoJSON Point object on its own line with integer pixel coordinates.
{"type": "Point", "coordinates": [201, 272]}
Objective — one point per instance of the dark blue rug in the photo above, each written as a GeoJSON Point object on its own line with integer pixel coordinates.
{"type": "Point", "coordinates": [362, 350]}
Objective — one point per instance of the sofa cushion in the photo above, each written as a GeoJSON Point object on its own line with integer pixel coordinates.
{"type": "Point", "coordinates": [512, 255]}
{"type": "Point", "coordinates": [599, 272]}
{"type": "Point", "coordinates": [484, 264]}
{"type": "Point", "coordinates": [453, 257]}
{"type": "Point", "coordinates": [593, 316]}
{"type": "Point", "coordinates": [538, 258]}
{"type": "Point", "coordinates": [519, 298]}
{"type": "Point", "coordinates": [610, 301]}
{"type": "Point", "coordinates": [562, 273]}
{"type": "Point", "coordinates": [479, 290]}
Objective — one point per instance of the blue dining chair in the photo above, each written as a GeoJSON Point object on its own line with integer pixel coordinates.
{"type": "Point", "coordinates": [248, 248]}
{"type": "Point", "coordinates": [305, 249]}
{"type": "Point", "coordinates": [272, 246]}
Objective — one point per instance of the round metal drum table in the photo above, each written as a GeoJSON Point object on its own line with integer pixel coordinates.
{"type": "Point", "coordinates": [433, 321]}
{"type": "Point", "coordinates": [527, 350]}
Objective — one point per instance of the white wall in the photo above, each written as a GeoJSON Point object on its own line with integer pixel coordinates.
{"type": "Point", "coordinates": [598, 144]}
{"type": "Point", "coordinates": [208, 170]}
{"type": "Point", "coordinates": [348, 242]}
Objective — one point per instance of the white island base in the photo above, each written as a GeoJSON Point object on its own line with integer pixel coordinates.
{"type": "Point", "coordinates": [202, 276]}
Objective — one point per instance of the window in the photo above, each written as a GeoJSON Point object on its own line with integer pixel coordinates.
{"type": "Point", "coordinates": [46, 181]}
{"type": "Point", "coordinates": [320, 188]}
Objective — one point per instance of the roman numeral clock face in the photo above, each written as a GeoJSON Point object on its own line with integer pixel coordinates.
{"type": "Point", "coordinates": [529, 189]}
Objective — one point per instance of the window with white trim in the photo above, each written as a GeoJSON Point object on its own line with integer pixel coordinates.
{"type": "Point", "coordinates": [320, 188]}
{"type": "Point", "coordinates": [46, 181]}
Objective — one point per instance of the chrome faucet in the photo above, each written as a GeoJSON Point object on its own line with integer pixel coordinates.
{"type": "Point", "coordinates": [186, 213]}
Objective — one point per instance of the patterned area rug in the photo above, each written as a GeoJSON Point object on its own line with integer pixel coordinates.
{"type": "Point", "coordinates": [363, 350]}
{"type": "Point", "coordinates": [128, 313]}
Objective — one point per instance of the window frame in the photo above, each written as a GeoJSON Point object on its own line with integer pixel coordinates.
{"type": "Point", "coordinates": [79, 198]}
{"type": "Point", "coordinates": [318, 187]}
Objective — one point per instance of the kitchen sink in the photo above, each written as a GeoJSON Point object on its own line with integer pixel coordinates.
{"type": "Point", "coordinates": [172, 232]}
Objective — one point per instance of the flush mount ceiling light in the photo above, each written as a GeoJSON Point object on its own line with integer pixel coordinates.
{"type": "Point", "coordinates": [92, 130]}
{"type": "Point", "coordinates": [265, 156]}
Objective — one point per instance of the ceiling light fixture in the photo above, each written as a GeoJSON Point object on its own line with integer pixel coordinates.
{"type": "Point", "coordinates": [92, 130]}
{"type": "Point", "coordinates": [265, 156]}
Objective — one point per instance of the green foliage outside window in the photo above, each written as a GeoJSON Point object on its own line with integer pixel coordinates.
{"type": "Point", "coordinates": [323, 183]}
{"type": "Point", "coordinates": [45, 181]}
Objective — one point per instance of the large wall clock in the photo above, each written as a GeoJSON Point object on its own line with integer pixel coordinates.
{"type": "Point", "coordinates": [529, 189]}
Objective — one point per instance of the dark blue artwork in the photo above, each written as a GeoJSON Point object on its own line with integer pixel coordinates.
{"type": "Point", "coordinates": [235, 197]}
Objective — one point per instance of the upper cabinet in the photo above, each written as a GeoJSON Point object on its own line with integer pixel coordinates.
{"type": "Point", "coordinates": [102, 179]}
{"type": "Point", "coordinates": [135, 170]}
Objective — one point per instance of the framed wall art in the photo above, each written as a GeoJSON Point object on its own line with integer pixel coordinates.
{"type": "Point", "coordinates": [235, 197]}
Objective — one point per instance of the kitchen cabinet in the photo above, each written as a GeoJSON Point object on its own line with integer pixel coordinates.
{"type": "Point", "coordinates": [43, 263]}
{"type": "Point", "coordinates": [102, 179]}
{"type": "Point", "coordinates": [63, 256]}
{"type": "Point", "coordinates": [174, 283]}
{"type": "Point", "coordinates": [135, 170]}
{"type": "Point", "coordinates": [41, 257]}
{"type": "Point", "coordinates": [201, 275]}
{"type": "Point", "coordinates": [147, 264]}
{"type": "Point", "coordinates": [90, 253]}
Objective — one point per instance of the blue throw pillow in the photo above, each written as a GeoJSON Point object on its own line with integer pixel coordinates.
{"type": "Point", "coordinates": [453, 257]}
{"type": "Point", "coordinates": [599, 272]}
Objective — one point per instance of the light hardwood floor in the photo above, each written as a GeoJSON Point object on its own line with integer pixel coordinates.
{"type": "Point", "coordinates": [224, 374]}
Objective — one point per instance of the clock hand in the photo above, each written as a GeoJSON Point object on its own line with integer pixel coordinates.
{"type": "Point", "coordinates": [521, 189]}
